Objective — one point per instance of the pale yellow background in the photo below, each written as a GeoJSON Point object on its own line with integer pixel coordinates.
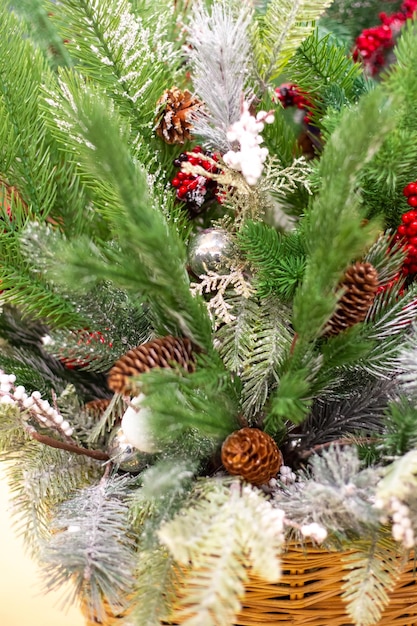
{"type": "Point", "coordinates": [21, 603]}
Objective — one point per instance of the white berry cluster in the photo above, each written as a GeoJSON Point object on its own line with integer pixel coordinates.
{"type": "Point", "coordinates": [402, 530]}
{"type": "Point", "coordinates": [33, 404]}
{"type": "Point", "coordinates": [286, 475]}
{"type": "Point", "coordinates": [246, 131]}
{"type": "Point", "coordinates": [314, 531]}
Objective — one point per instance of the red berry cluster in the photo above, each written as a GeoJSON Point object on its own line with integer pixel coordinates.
{"type": "Point", "coordinates": [407, 230]}
{"type": "Point", "coordinates": [291, 96]}
{"type": "Point", "coordinates": [372, 44]}
{"type": "Point", "coordinates": [195, 190]}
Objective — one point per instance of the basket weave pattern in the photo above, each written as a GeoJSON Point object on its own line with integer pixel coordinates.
{"type": "Point", "coordinates": [310, 594]}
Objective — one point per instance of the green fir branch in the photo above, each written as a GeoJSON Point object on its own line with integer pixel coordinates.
{"type": "Point", "coordinates": [91, 546]}
{"type": "Point", "coordinates": [30, 291]}
{"type": "Point", "coordinates": [278, 33]}
{"type": "Point", "coordinates": [36, 14]}
{"type": "Point", "coordinates": [333, 229]}
{"type": "Point", "coordinates": [373, 569]}
{"type": "Point", "coordinates": [278, 259]}
{"type": "Point", "coordinates": [137, 263]}
{"type": "Point", "coordinates": [322, 69]}
{"type": "Point", "coordinates": [400, 434]}
{"type": "Point", "coordinates": [24, 152]}
{"type": "Point", "coordinates": [205, 403]}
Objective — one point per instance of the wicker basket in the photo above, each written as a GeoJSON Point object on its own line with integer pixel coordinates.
{"type": "Point", "coordinates": [309, 594]}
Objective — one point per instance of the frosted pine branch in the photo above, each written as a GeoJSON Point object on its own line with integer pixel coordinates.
{"type": "Point", "coordinates": [91, 546]}
{"type": "Point", "coordinates": [408, 364]}
{"type": "Point", "coordinates": [220, 49]}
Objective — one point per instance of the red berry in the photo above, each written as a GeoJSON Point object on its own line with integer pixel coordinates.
{"type": "Point", "coordinates": [412, 228]}
{"type": "Point", "coordinates": [412, 201]}
{"type": "Point", "coordinates": [413, 269]}
{"type": "Point", "coordinates": [408, 217]}
{"type": "Point", "coordinates": [175, 182]}
{"type": "Point", "coordinates": [402, 230]}
{"type": "Point", "coordinates": [410, 189]}
{"type": "Point", "coordinates": [182, 191]}
{"type": "Point", "coordinates": [192, 184]}
{"type": "Point", "coordinates": [413, 241]}
{"type": "Point", "coordinates": [182, 175]}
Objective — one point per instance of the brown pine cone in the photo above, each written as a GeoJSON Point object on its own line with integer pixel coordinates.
{"type": "Point", "coordinates": [252, 454]}
{"type": "Point", "coordinates": [173, 120]}
{"type": "Point", "coordinates": [360, 284]}
{"type": "Point", "coordinates": [96, 408]}
{"type": "Point", "coordinates": [161, 352]}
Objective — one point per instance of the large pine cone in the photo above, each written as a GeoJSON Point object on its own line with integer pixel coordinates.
{"type": "Point", "coordinates": [161, 352]}
{"type": "Point", "coordinates": [360, 284]}
{"type": "Point", "coordinates": [252, 454]}
{"type": "Point", "coordinates": [173, 120]}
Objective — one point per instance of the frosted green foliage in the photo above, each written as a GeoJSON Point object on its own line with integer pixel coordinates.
{"type": "Point", "coordinates": [12, 435]}
{"type": "Point", "coordinates": [408, 363]}
{"type": "Point", "coordinates": [164, 487]}
{"type": "Point", "coordinates": [254, 346]}
{"type": "Point", "coordinates": [41, 478]}
{"type": "Point", "coordinates": [387, 257]}
{"type": "Point", "coordinates": [156, 586]}
{"type": "Point", "coordinates": [219, 57]}
{"type": "Point", "coordinates": [399, 479]}
{"type": "Point", "coordinates": [388, 322]}
{"type": "Point", "coordinates": [91, 546]}
{"type": "Point", "coordinates": [372, 571]}
{"type": "Point", "coordinates": [131, 61]}
{"type": "Point", "coordinates": [217, 537]}
{"type": "Point", "coordinates": [335, 493]}
{"type": "Point", "coordinates": [278, 33]}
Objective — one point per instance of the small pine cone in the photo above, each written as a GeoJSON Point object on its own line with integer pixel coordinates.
{"type": "Point", "coordinates": [157, 353]}
{"type": "Point", "coordinates": [360, 284]}
{"type": "Point", "coordinates": [96, 408]}
{"type": "Point", "coordinates": [173, 121]}
{"type": "Point", "coordinates": [252, 454]}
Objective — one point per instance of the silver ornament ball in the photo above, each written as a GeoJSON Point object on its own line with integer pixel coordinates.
{"type": "Point", "coordinates": [125, 456]}
{"type": "Point", "coordinates": [211, 250]}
